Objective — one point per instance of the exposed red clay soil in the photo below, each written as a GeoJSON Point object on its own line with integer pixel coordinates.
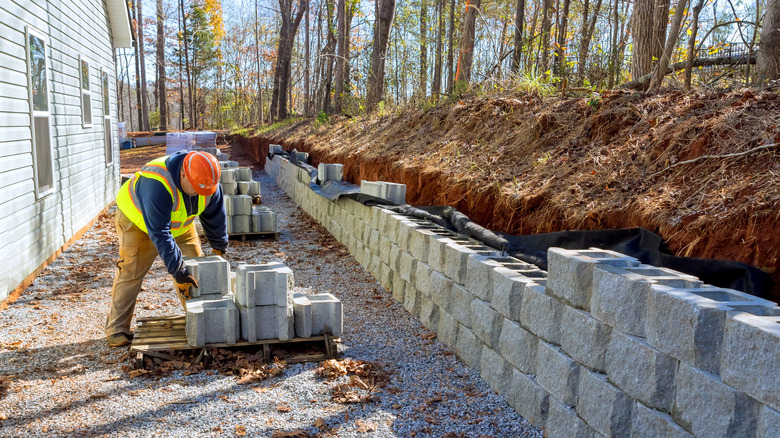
{"type": "Point", "coordinates": [522, 165]}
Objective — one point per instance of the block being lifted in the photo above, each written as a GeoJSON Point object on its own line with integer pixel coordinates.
{"type": "Point", "coordinates": [330, 172]}
{"type": "Point", "coordinates": [392, 192]}
{"type": "Point", "coordinates": [212, 274]}
{"type": "Point", "coordinates": [264, 285]}
{"type": "Point", "coordinates": [212, 321]}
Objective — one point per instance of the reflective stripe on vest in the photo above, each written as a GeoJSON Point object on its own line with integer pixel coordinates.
{"type": "Point", "coordinates": [130, 204]}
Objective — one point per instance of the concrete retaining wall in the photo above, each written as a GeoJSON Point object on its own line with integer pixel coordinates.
{"type": "Point", "coordinates": [600, 345]}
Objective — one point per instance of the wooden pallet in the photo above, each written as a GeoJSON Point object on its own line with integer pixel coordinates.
{"type": "Point", "coordinates": [159, 334]}
{"type": "Point", "coordinates": [243, 236]}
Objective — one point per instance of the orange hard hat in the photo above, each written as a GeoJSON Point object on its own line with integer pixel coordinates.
{"type": "Point", "coordinates": [202, 170]}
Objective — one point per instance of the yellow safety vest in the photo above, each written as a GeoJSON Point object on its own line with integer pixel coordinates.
{"type": "Point", "coordinates": [127, 200]}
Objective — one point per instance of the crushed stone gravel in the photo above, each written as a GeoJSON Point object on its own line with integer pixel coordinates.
{"type": "Point", "coordinates": [58, 377]}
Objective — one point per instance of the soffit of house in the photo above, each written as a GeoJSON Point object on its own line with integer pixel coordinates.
{"type": "Point", "coordinates": [120, 23]}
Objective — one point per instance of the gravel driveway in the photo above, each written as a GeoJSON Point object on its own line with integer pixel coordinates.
{"type": "Point", "coordinates": [59, 378]}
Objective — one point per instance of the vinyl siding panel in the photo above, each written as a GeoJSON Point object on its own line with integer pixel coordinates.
{"type": "Point", "coordinates": [32, 229]}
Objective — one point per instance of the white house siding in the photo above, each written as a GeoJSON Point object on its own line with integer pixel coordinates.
{"type": "Point", "coordinates": [32, 229]}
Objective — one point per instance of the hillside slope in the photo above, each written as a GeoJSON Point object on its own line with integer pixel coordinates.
{"type": "Point", "coordinates": [521, 164]}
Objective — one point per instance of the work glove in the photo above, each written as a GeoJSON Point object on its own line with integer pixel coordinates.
{"type": "Point", "coordinates": [216, 252]}
{"type": "Point", "coordinates": [183, 281]}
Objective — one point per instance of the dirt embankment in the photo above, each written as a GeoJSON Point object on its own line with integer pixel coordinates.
{"type": "Point", "coordinates": [523, 165]}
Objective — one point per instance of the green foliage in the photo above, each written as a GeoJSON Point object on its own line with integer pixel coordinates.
{"type": "Point", "coordinates": [244, 132]}
{"type": "Point", "coordinates": [322, 118]}
{"type": "Point", "coordinates": [594, 101]}
{"type": "Point", "coordinates": [541, 84]}
{"type": "Point", "coordinates": [154, 119]}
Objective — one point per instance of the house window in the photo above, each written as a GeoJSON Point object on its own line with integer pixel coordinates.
{"type": "Point", "coordinates": [86, 94]}
{"type": "Point", "coordinates": [106, 117]}
{"type": "Point", "coordinates": [40, 114]}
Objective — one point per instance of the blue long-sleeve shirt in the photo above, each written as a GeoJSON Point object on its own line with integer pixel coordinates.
{"type": "Point", "coordinates": [157, 205]}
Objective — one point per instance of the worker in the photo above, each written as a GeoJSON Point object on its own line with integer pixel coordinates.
{"type": "Point", "coordinates": [155, 213]}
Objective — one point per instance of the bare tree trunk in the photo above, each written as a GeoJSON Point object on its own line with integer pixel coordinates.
{"type": "Point", "coordinates": [290, 21]}
{"type": "Point", "coordinates": [257, 57]}
{"type": "Point", "coordinates": [340, 55]}
{"type": "Point", "coordinates": [463, 73]}
{"type": "Point", "coordinates": [423, 86]}
{"type": "Point", "coordinates": [546, 25]}
{"type": "Point", "coordinates": [187, 62]}
{"type": "Point", "coordinates": [692, 44]}
{"type": "Point", "coordinates": [671, 41]}
{"type": "Point", "coordinates": [451, 47]}
{"type": "Point", "coordinates": [587, 34]}
{"type": "Point", "coordinates": [769, 45]}
{"type": "Point", "coordinates": [329, 57]}
{"type": "Point", "coordinates": [307, 73]}
{"type": "Point", "coordinates": [376, 75]}
{"type": "Point", "coordinates": [529, 57]}
{"type": "Point", "coordinates": [560, 57]}
{"type": "Point", "coordinates": [162, 78]}
{"type": "Point", "coordinates": [181, 73]}
{"type": "Point", "coordinates": [613, 47]}
{"type": "Point", "coordinates": [141, 55]}
{"type": "Point", "coordinates": [436, 86]}
{"type": "Point", "coordinates": [642, 24]}
{"type": "Point", "coordinates": [138, 96]}
{"type": "Point", "coordinates": [519, 21]}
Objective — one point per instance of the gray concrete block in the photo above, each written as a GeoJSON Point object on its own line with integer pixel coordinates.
{"type": "Point", "coordinates": [529, 399]}
{"type": "Point", "coordinates": [649, 423]}
{"type": "Point", "coordinates": [385, 248]}
{"type": "Point", "coordinates": [455, 261]}
{"type": "Point", "coordinates": [227, 176]}
{"type": "Point", "coordinates": [469, 347]}
{"type": "Point", "coordinates": [620, 298]}
{"type": "Point", "coordinates": [495, 370]}
{"type": "Point", "coordinates": [326, 315]}
{"type": "Point", "coordinates": [248, 187]}
{"type": "Point", "coordinates": [429, 314]}
{"type": "Point", "coordinates": [211, 321]}
{"type": "Point", "coordinates": [392, 192]}
{"type": "Point", "coordinates": [751, 356]}
{"type": "Point", "coordinates": [330, 172]}
{"type": "Point", "coordinates": [518, 346]}
{"type": "Point", "coordinates": [263, 220]}
{"type": "Point", "coordinates": [447, 332]}
{"type": "Point", "coordinates": [541, 314]}
{"type": "Point", "coordinates": [585, 338]}
{"type": "Point", "coordinates": [479, 275]}
{"type": "Point", "coordinates": [212, 274]}
{"type": "Point", "coordinates": [563, 422]}
{"type": "Point", "coordinates": [604, 407]}
{"type": "Point", "coordinates": [557, 373]}
{"type": "Point", "coordinates": [405, 230]}
{"type": "Point", "coordinates": [265, 284]}
{"type": "Point", "coordinates": [412, 300]}
{"type": "Point", "coordinates": [640, 370]}
{"type": "Point", "coordinates": [570, 273]}
{"type": "Point", "coordinates": [241, 223]}
{"type": "Point", "coordinates": [227, 201]}
{"type": "Point", "coordinates": [436, 246]}
{"type": "Point", "coordinates": [275, 149]}
{"type": "Point", "coordinates": [441, 288]}
{"type": "Point", "coordinates": [302, 315]}
{"type": "Point", "coordinates": [422, 278]}
{"type": "Point", "coordinates": [267, 322]}
{"type": "Point", "coordinates": [385, 276]}
{"type": "Point", "coordinates": [242, 205]}
{"type": "Point", "coordinates": [419, 243]}
{"type": "Point", "coordinates": [705, 406]}
{"type": "Point", "coordinates": [508, 288]}
{"type": "Point", "coordinates": [459, 304]}
{"type": "Point", "coordinates": [243, 174]}
{"type": "Point", "coordinates": [486, 322]}
{"type": "Point", "coordinates": [768, 423]}
{"type": "Point", "coordinates": [229, 188]}
{"type": "Point", "coordinates": [221, 156]}
{"type": "Point", "coordinates": [686, 326]}
{"type": "Point", "coordinates": [399, 286]}
{"type": "Point", "coordinates": [408, 267]}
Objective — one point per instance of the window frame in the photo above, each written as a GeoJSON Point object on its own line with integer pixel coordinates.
{"type": "Point", "coordinates": [86, 93]}
{"type": "Point", "coordinates": [105, 100]}
{"type": "Point", "coordinates": [28, 32]}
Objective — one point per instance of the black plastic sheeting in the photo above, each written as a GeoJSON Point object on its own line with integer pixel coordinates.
{"type": "Point", "coordinates": [643, 244]}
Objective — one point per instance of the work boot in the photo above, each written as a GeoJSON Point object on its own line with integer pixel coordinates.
{"type": "Point", "coordinates": [119, 339]}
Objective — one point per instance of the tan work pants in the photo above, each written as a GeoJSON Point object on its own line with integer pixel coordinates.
{"type": "Point", "coordinates": [136, 255]}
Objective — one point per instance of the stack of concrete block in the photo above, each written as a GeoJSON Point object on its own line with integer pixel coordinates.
{"type": "Point", "coordinates": [330, 172]}
{"type": "Point", "coordinates": [263, 220]}
{"type": "Point", "coordinates": [317, 314]}
{"type": "Point", "coordinates": [227, 164]}
{"type": "Point", "coordinates": [265, 302]}
{"type": "Point", "coordinates": [392, 192]}
{"type": "Point", "coordinates": [212, 316]}
{"type": "Point", "coordinates": [239, 188]}
{"type": "Point", "coordinates": [600, 345]}
{"type": "Point", "coordinates": [238, 181]}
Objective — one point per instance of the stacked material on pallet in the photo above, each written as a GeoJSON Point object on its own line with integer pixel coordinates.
{"type": "Point", "coordinates": [265, 302]}
{"type": "Point", "coordinates": [254, 303]}
{"type": "Point", "coordinates": [239, 190]}
{"type": "Point", "coordinates": [212, 315]}
{"type": "Point", "coordinates": [191, 141]}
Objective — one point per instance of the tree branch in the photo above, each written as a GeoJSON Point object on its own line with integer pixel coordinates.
{"type": "Point", "coordinates": [698, 62]}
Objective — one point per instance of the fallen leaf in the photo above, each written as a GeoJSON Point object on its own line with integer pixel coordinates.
{"type": "Point", "coordinates": [217, 429]}
{"type": "Point", "coordinates": [224, 397]}
{"type": "Point", "coordinates": [396, 406]}
{"type": "Point", "coordinates": [293, 434]}
{"type": "Point", "coordinates": [428, 336]}
{"type": "Point", "coordinates": [136, 373]}
{"type": "Point", "coordinates": [319, 423]}
{"type": "Point", "coordinates": [435, 399]}
{"type": "Point", "coordinates": [283, 408]}
{"type": "Point", "coordinates": [3, 416]}
{"type": "Point", "coordinates": [97, 396]}
{"type": "Point", "coordinates": [355, 381]}
{"type": "Point", "coordinates": [240, 430]}
{"type": "Point", "coordinates": [364, 427]}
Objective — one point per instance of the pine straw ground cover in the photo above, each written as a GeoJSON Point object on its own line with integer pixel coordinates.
{"type": "Point", "coordinates": [59, 378]}
{"type": "Point", "coordinates": [523, 164]}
